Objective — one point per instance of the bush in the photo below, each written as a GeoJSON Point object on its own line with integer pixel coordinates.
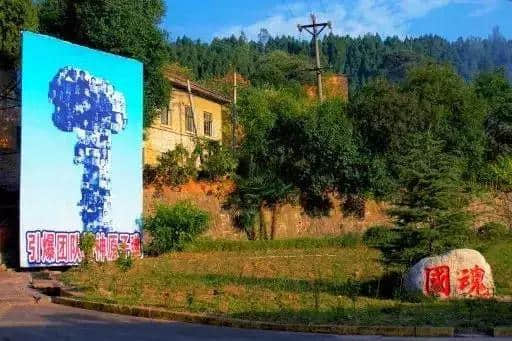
{"type": "Point", "coordinates": [499, 174]}
{"type": "Point", "coordinates": [493, 231]}
{"type": "Point", "coordinates": [124, 259]}
{"type": "Point", "coordinates": [171, 227]}
{"type": "Point", "coordinates": [175, 167]}
{"type": "Point", "coordinates": [149, 174]}
{"type": "Point", "coordinates": [86, 245]}
{"type": "Point", "coordinates": [217, 161]}
{"type": "Point", "coordinates": [380, 237]}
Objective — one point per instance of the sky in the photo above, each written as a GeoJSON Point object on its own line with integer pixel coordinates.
{"type": "Point", "coordinates": [50, 182]}
{"type": "Point", "coordinates": [451, 19]}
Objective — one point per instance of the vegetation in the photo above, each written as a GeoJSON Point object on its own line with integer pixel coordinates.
{"type": "Point", "coordinates": [421, 143]}
{"type": "Point", "coordinates": [86, 244]}
{"type": "Point", "coordinates": [124, 259]}
{"type": "Point", "coordinates": [209, 160]}
{"type": "Point", "coordinates": [129, 28]}
{"type": "Point", "coordinates": [175, 167]}
{"type": "Point", "coordinates": [171, 227]}
{"type": "Point", "coordinates": [428, 123]}
{"type": "Point", "coordinates": [431, 213]}
{"type": "Point", "coordinates": [360, 58]}
{"type": "Point", "coordinates": [307, 244]}
{"type": "Point", "coordinates": [15, 15]}
{"type": "Point", "coordinates": [216, 160]}
{"type": "Point", "coordinates": [295, 281]}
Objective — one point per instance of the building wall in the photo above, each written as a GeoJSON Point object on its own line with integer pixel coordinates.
{"type": "Point", "coordinates": [161, 138]}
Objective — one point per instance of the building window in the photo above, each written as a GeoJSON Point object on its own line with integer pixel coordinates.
{"type": "Point", "coordinates": [189, 119]}
{"type": "Point", "coordinates": [165, 115]}
{"type": "Point", "coordinates": [208, 124]}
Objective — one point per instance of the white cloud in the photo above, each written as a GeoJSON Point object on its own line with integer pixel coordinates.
{"type": "Point", "coordinates": [354, 18]}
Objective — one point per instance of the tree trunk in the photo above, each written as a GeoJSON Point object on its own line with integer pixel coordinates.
{"type": "Point", "coordinates": [252, 234]}
{"type": "Point", "coordinates": [275, 219]}
{"type": "Point", "coordinates": [263, 223]}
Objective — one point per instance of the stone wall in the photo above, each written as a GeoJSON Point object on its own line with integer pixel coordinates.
{"type": "Point", "coordinates": [292, 222]}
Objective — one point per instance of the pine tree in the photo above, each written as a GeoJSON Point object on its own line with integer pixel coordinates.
{"type": "Point", "coordinates": [431, 213]}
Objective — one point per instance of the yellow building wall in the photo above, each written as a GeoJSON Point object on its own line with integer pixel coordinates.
{"type": "Point", "coordinates": [161, 138]}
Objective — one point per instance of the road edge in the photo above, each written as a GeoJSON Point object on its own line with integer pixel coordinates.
{"type": "Point", "coordinates": [162, 314]}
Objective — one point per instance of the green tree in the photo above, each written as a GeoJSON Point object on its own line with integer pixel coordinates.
{"type": "Point", "coordinates": [496, 90]}
{"type": "Point", "coordinates": [126, 27]}
{"type": "Point", "coordinates": [432, 98]}
{"type": "Point", "coordinates": [15, 16]}
{"type": "Point", "coordinates": [258, 181]}
{"type": "Point", "coordinates": [431, 212]}
{"type": "Point", "coordinates": [279, 68]}
{"type": "Point", "coordinates": [450, 109]}
{"type": "Point", "coordinates": [296, 150]}
{"type": "Point", "coordinates": [383, 114]}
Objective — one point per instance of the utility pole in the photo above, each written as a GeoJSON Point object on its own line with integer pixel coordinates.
{"type": "Point", "coordinates": [315, 29]}
{"type": "Point", "coordinates": [233, 113]}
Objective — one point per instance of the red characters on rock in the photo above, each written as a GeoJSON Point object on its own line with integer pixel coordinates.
{"type": "Point", "coordinates": [471, 282]}
{"type": "Point", "coordinates": [437, 281]}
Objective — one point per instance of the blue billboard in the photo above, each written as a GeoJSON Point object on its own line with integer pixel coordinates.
{"type": "Point", "coordinates": [81, 152]}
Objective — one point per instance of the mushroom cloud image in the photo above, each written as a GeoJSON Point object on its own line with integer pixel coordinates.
{"type": "Point", "coordinates": [92, 109]}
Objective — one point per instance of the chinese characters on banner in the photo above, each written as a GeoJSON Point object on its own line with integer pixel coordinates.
{"type": "Point", "coordinates": [54, 248]}
{"type": "Point", "coordinates": [468, 282]}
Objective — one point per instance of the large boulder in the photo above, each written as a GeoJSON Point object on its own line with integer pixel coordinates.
{"type": "Point", "coordinates": [459, 273]}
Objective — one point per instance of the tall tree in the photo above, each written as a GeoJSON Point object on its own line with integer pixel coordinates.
{"type": "Point", "coordinates": [360, 58]}
{"type": "Point", "coordinates": [431, 211]}
{"type": "Point", "coordinates": [15, 16]}
{"type": "Point", "coordinates": [125, 27]}
{"type": "Point", "coordinates": [496, 90]}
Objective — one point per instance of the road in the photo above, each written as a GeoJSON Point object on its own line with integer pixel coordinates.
{"type": "Point", "coordinates": [21, 319]}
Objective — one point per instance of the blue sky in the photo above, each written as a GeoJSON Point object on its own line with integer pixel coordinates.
{"type": "Point", "coordinates": [205, 19]}
{"type": "Point", "coordinates": [50, 182]}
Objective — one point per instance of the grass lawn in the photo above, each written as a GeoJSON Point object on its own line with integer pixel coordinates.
{"type": "Point", "coordinates": [328, 280]}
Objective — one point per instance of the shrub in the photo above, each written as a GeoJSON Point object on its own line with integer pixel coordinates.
{"type": "Point", "coordinates": [493, 231]}
{"type": "Point", "coordinates": [171, 227]}
{"type": "Point", "coordinates": [380, 237]}
{"type": "Point", "coordinates": [149, 174]}
{"type": "Point", "coordinates": [218, 163]}
{"type": "Point", "coordinates": [86, 245]}
{"type": "Point", "coordinates": [176, 167]}
{"type": "Point", "coordinates": [499, 173]}
{"type": "Point", "coordinates": [124, 259]}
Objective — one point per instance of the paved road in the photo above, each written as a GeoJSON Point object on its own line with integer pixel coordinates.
{"type": "Point", "coordinates": [21, 319]}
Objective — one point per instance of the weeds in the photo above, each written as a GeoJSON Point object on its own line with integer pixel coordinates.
{"type": "Point", "coordinates": [208, 245]}
{"type": "Point", "coordinates": [124, 259]}
{"type": "Point", "coordinates": [292, 286]}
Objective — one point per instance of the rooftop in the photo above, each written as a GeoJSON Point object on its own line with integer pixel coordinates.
{"type": "Point", "coordinates": [181, 83]}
